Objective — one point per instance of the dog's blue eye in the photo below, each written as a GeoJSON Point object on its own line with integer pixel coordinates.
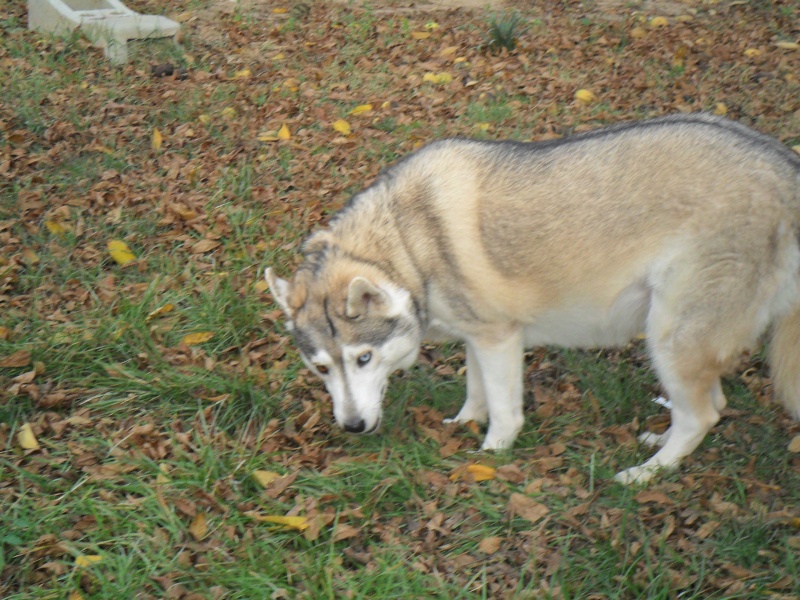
{"type": "Point", "coordinates": [364, 359]}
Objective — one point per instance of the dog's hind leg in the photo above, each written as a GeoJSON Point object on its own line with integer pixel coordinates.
{"type": "Point", "coordinates": [657, 440]}
{"type": "Point", "coordinates": [474, 408]}
{"type": "Point", "coordinates": [694, 413]}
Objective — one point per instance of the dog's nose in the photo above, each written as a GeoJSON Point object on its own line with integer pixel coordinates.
{"type": "Point", "coordinates": [356, 426]}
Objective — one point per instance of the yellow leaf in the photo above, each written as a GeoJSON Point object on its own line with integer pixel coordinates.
{"type": "Point", "coordinates": [200, 337]}
{"type": "Point", "coordinates": [386, 105]}
{"type": "Point", "coordinates": [420, 35]}
{"type": "Point", "coordinates": [280, 11]}
{"type": "Point", "coordinates": [342, 126]}
{"type": "Point", "coordinates": [794, 445]}
{"type": "Point", "coordinates": [75, 595]}
{"type": "Point", "coordinates": [264, 478]}
{"type": "Point", "coordinates": [26, 438]}
{"type": "Point", "coordinates": [267, 137]}
{"type": "Point", "coordinates": [638, 33]}
{"type": "Point", "coordinates": [431, 26]}
{"type": "Point", "coordinates": [199, 527]}
{"type": "Point", "coordinates": [291, 84]}
{"type": "Point", "coordinates": [360, 109]}
{"type": "Point", "coordinates": [261, 286]}
{"type": "Point", "coordinates": [87, 560]}
{"type": "Point", "coordinates": [279, 56]}
{"type": "Point", "coordinates": [5, 333]}
{"type": "Point", "coordinates": [796, 148]}
{"type": "Point", "coordinates": [437, 77]}
{"type": "Point", "coordinates": [284, 133]}
{"type": "Point", "coordinates": [299, 523]}
{"type": "Point", "coordinates": [55, 227]}
{"type": "Point", "coordinates": [788, 45]}
{"type": "Point", "coordinates": [752, 52]}
{"type": "Point", "coordinates": [204, 119]}
{"type": "Point", "coordinates": [585, 96]}
{"type": "Point", "coordinates": [120, 252]}
{"type": "Point", "coordinates": [721, 109]}
{"type": "Point", "coordinates": [481, 472]}
{"type": "Point", "coordinates": [243, 74]}
{"type": "Point", "coordinates": [161, 310]}
{"type": "Point", "coordinates": [658, 22]}
{"type": "Point", "coordinates": [157, 139]}
{"type": "Point", "coordinates": [228, 112]}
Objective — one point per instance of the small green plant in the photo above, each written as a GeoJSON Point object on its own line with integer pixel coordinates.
{"type": "Point", "coordinates": [504, 32]}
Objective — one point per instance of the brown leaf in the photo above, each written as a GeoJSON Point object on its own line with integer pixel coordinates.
{"type": "Point", "coordinates": [199, 526]}
{"type": "Point", "coordinates": [490, 545]}
{"type": "Point", "coordinates": [652, 496]}
{"type": "Point", "coordinates": [527, 508]}
{"type": "Point", "coordinates": [344, 532]}
{"type": "Point", "coordinates": [205, 245]}
{"type": "Point", "coordinates": [20, 358]}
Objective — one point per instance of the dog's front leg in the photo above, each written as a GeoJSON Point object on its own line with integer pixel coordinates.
{"type": "Point", "coordinates": [474, 408]}
{"type": "Point", "coordinates": [499, 364]}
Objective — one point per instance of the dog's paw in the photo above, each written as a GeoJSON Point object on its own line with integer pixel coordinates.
{"type": "Point", "coordinates": [654, 440]}
{"type": "Point", "coordinates": [637, 475]}
{"type": "Point", "coordinates": [466, 417]}
{"type": "Point", "coordinates": [494, 442]}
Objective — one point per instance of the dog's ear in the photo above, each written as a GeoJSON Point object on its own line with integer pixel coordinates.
{"type": "Point", "coordinates": [281, 291]}
{"type": "Point", "coordinates": [364, 296]}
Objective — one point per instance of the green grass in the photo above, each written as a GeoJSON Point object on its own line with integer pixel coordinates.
{"type": "Point", "coordinates": [140, 432]}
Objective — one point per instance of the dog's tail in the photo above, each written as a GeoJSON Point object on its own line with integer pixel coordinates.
{"type": "Point", "coordinates": [785, 360]}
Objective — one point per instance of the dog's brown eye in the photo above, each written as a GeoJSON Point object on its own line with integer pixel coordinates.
{"type": "Point", "coordinates": [364, 359]}
{"type": "Point", "coordinates": [323, 370]}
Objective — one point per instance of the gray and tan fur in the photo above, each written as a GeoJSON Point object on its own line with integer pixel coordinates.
{"type": "Point", "coordinates": [684, 227]}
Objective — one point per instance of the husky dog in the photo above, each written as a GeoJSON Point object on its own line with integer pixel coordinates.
{"type": "Point", "coordinates": [685, 228]}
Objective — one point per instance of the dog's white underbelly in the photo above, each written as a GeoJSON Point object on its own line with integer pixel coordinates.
{"type": "Point", "coordinates": [586, 324]}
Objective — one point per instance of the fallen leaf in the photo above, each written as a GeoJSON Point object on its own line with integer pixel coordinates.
{"type": "Point", "coordinates": [585, 96]}
{"type": "Point", "coordinates": [199, 527]}
{"type": "Point", "coordinates": [87, 560]}
{"type": "Point", "coordinates": [20, 358]}
{"type": "Point", "coordinates": [342, 126]}
{"type": "Point", "coordinates": [264, 478]}
{"type": "Point", "coordinates": [431, 26]}
{"type": "Point", "coordinates": [794, 445]}
{"type": "Point", "coordinates": [638, 33]}
{"type": "Point", "coordinates": [55, 227]}
{"type": "Point", "coordinates": [478, 472]}
{"type": "Point", "coordinates": [205, 245]}
{"type": "Point", "coordinates": [284, 133]}
{"type": "Point", "coordinates": [439, 78]}
{"type": "Point", "coordinates": [420, 35]}
{"type": "Point", "coordinates": [26, 438]}
{"type": "Point", "coordinates": [361, 109]}
{"type": "Point", "coordinates": [200, 337]}
{"type": "Point", "coordinates": [490, 545]}
{"type": "Point", "coordinates": [157, 139]}
{"type": "Point", "coordinates": [5, 333]}
{"type": "Point", "coordinates": [788, 45]}
{"type": "Point", "coordinates": [752, 52]}
{"type": "Point", "coordinates": [75, 595]}
{"type": "Point", "coordinates": [659, 22]}
{"type": "Point", "coordinates": [721, 109]}
{"type": "Point", "coordinates": [344, 532]}
{"type": "Point", "coordinates": [120, 252]}
{"type": "Point", "coordinates": [527, 508]}
{"type": "Point", "coordinates": [243, 74]}
{"type": "Point", "coordinates": [161, 310]}
{"type": "Point", "coordinates": [299, 523]}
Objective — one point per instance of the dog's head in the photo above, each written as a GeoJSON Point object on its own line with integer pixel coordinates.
{"type": "Point", "coordinates": [353, 328]}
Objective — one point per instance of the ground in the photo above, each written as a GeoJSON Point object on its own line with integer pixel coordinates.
{"type": "Point", "coordinates": [159, 436]}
